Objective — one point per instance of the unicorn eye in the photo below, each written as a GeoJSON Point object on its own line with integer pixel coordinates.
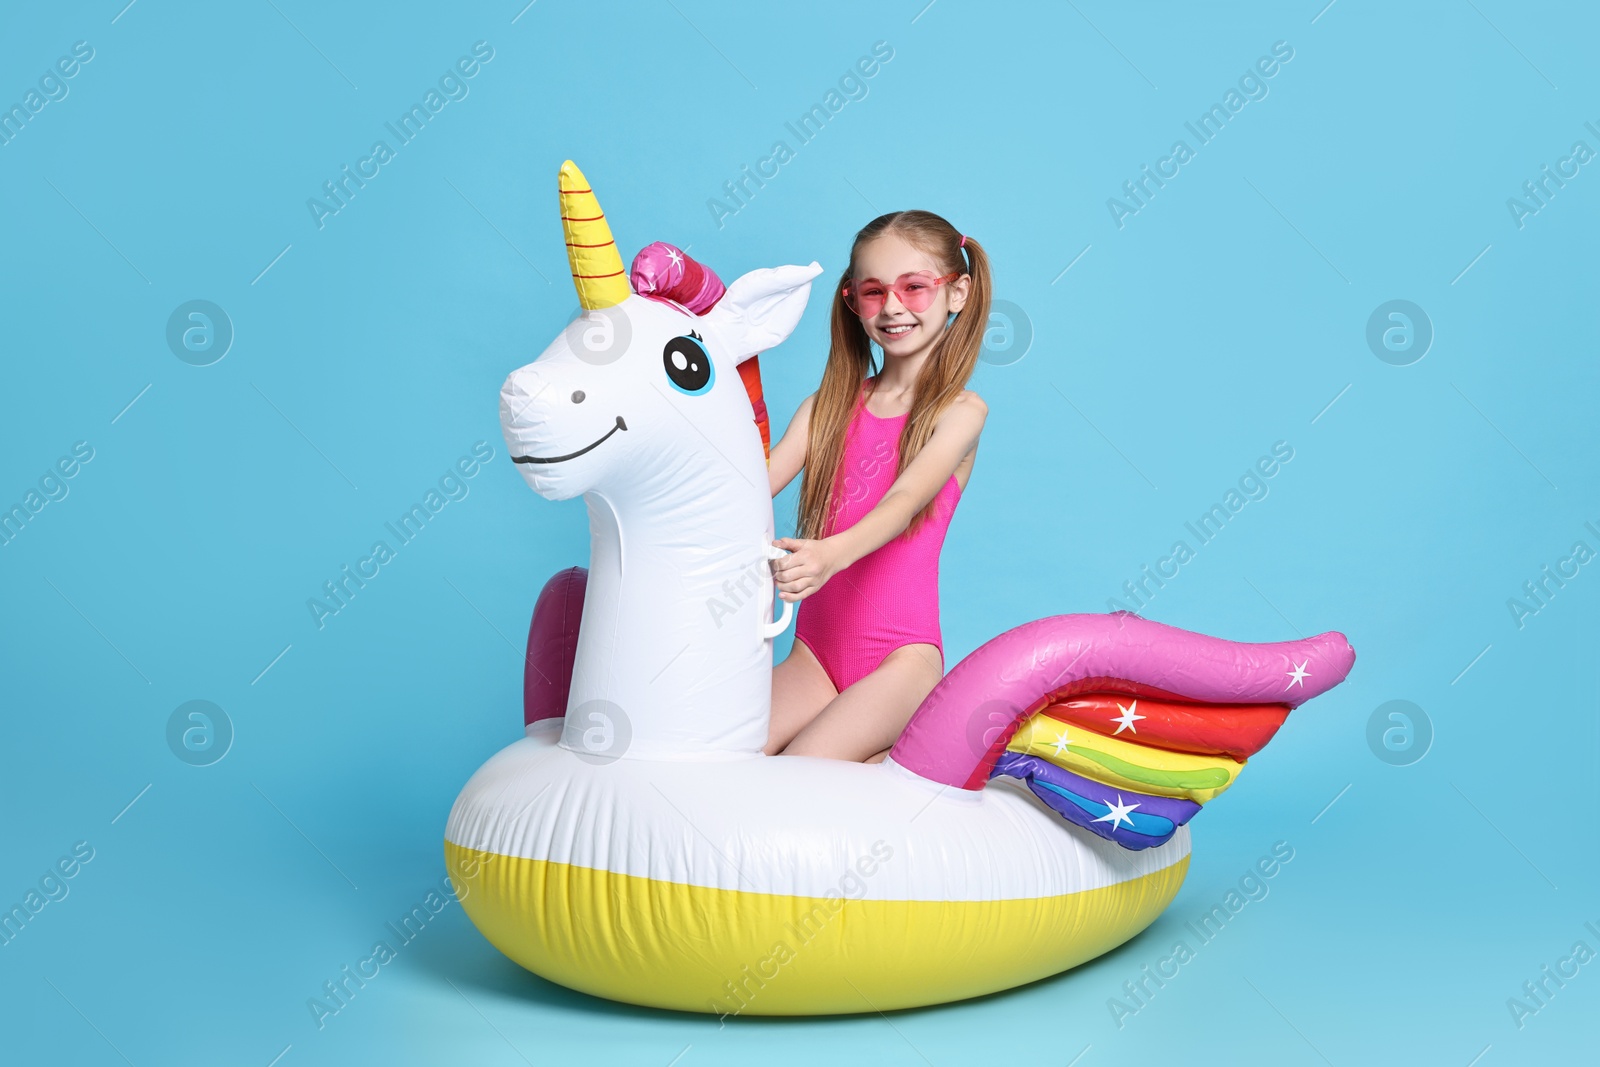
{"type": "Point", "coordinates": [687, 364]}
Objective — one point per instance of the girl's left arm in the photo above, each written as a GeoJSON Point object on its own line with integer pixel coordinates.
{"type": "Point", "coordinates": [811, 563]}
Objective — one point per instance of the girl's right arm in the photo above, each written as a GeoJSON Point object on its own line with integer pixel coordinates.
{"type": "Point", "coordinates": [789, 454]}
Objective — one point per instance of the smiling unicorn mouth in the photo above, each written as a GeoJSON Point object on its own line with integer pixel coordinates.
{"type": "Point", "coordinates": [572, 455]}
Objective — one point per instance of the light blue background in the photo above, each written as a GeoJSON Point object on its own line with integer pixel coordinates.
{"type": "Point", "coordinates": [1223, 317]}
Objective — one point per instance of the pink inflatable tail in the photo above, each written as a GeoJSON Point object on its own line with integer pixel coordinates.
{"type": "Point", "coordinates": [552, 646]}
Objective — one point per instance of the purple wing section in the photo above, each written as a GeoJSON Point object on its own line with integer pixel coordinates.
{"type": "Point", "coordinates": [1133, 820]}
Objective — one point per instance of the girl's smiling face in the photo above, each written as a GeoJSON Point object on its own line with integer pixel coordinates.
{"type": "Point", "coordinates": [896, 329]}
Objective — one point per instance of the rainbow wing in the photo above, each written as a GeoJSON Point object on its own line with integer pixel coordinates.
{"type": "Point", "coordinates": [1123, 725]}
{"type": "Point", "coordinates": [1133, 769]}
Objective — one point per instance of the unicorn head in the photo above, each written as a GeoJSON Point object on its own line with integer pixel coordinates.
{"type": "Point", "coordinates": [638, 407]}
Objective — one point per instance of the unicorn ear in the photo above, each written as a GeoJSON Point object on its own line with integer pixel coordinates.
{"type": "Point", "coordinates": [762, 308]}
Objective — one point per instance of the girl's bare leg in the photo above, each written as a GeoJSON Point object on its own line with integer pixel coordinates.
{"type": "Point", "coordinates": [864, 721]}
{"type": "Point", "coordinates": [800, 689]}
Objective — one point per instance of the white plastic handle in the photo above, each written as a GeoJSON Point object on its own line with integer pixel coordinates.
{"type": "Point", "coordinates": [781, 623]}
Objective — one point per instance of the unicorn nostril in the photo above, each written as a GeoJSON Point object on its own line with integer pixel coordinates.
{"type": "Point", "coordinates": [577, 396]}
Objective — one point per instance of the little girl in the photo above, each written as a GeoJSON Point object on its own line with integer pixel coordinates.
{"type": "Point", "coordinates": [886, 458]}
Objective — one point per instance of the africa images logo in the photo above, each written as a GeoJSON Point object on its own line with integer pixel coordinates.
{"type": "Point", "coordinates": [338, 592]}
{"type": "Point", "coordinates": [452, 86]}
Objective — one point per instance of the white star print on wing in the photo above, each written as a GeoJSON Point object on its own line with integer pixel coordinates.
{"type": "Point", "coordinates": [1298, 675]}
{"type": "Point", "coordinates": [1127, 718]}
{"type": "Point", "coordinates": [1118, 813]}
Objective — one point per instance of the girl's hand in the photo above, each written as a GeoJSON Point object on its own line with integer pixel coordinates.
{"type": "Point", "coordinates": [803, 571]}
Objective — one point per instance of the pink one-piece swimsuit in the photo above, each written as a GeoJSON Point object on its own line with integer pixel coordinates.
{"type": "Point", "coordinates": [889, 597]}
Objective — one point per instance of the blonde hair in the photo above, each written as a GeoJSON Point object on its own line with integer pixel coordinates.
{"type": "Point", "coordinates": [942, 380]}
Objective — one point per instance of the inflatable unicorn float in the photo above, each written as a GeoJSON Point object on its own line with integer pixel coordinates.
{"type": "Point", "coordinates": [635, 843]}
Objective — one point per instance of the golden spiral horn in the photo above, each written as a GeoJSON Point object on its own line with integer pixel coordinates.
{"type": "Point", "coordinates": [592, 256]}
